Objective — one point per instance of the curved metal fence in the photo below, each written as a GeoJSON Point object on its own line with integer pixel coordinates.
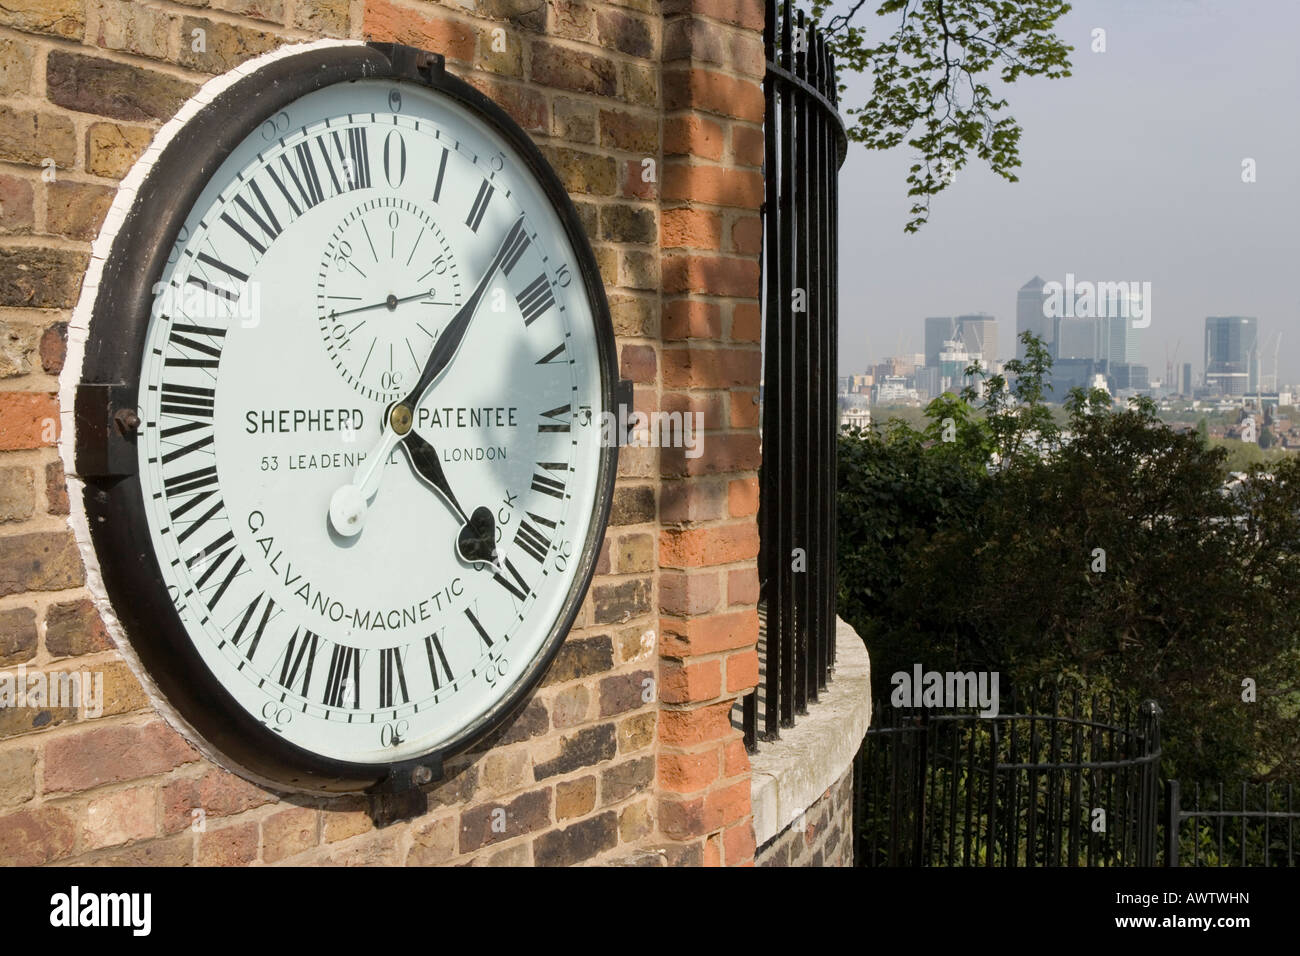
{"type": "Point", "coordinates": [804, 145]}
{"type": "Point", "coordinates": [1038, 787]}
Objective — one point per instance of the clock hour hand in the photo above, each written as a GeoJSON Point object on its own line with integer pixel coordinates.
{"type": "Point", "coordinates": [477, 538]}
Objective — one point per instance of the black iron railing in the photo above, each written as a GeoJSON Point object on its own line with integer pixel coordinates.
{"type": "Point", "coordinates": [1247, 825]}
{"type": "Point", "coordinates": [1046, 786]}
{"type": "Point", "coordinates": [804, 145]}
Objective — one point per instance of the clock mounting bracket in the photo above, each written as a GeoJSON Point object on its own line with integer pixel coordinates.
{"type": "Point", "coordinates": [106, 424]}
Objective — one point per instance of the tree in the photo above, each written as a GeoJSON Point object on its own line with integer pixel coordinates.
{"type": "Point", "coordinates": [957, 565]}
{"type": "Point", "coordinates": [930, 81]}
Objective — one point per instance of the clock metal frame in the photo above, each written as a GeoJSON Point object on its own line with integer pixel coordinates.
{"type": "Point", "coordinates": [106, 402]}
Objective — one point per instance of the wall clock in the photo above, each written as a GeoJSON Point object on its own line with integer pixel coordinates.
{"type": "Point", "coordinates": [339, 370]}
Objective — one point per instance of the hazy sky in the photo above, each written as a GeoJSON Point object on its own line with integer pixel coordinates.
{"type": "Point", "coordinates": [1131, 171]}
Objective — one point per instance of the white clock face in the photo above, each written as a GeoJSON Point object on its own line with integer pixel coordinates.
{"type": "Point", "coordinates": [323, 264]}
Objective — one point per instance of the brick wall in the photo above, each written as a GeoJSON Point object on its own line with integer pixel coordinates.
{"type": "Point", "coordinates": [589, 771]}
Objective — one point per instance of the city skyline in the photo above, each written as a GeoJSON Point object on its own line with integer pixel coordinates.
{"type": "Point", "coordinates": [1133, 170]}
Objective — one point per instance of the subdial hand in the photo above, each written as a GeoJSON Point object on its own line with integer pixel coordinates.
{"type": "Point", "coordinates": [391, 303]}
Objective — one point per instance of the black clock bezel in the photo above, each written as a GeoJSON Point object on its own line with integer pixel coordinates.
{"type": "Point", "coordinates": [114, 502]}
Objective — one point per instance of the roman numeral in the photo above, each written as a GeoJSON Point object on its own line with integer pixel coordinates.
{"type": "Point", "coordinates": [481, 201]}
{"type": "Point", "coordinates": [545, 483]}
{"type": "Point", "coordinates": [218, 264]}
{"type": "Point", "coordinates": [392, 676]}
{"type": "Point", "coordinates": [535, 299]}
{"type": "Point", "coordinates": [225, 583]}
{"type": "Point", "coordinates": [516, 245]}
{"type": "Point", "coordinates": [204, 556]}
{"type": "Point", "coordinates": [534, 543]}
{"type": "Point", "coordinates": [556, 424]}
{"type": "Point", "coordinates": [482, 633]}
{"type": "Point", "coordinates": [292, 664]}
{"type": "Point", "coordinates": [256, 633]}
{"type": "Point", "coordinates": [188, 532]}
{"type": "Point", "coordinates": [221, 292]}
{"type": "Point", "coordinates": [193, 345]}
{"type": "Point", "coordinates": [550, 356]}
{"type": "Point", "coordinates": [190, 400]}
{"type": "Point", "coordinates": [433, 650]}
{"type": "Point", "coordinates": [344, 676]}
{"type": "Point", "coordinates": [358, 168]}
{"type": "Point", "coordinates": [270, 226]}
{"type": "Point", "coordinates": [442, 170]}
{"type": "Point", "coordinates": [191, 481]}
{"type": "Point", "coordinates": [517, 587]}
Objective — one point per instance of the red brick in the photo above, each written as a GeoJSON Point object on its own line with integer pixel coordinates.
{"type": "Point", "coordinates": [638, 363]}
{"type": "Point", "coordinates": [744, 408]}
{"type": "Point", "coordinates": [727, 805]}
{"type": "Point", "coordinates": [709, 404]}
{"type": "Point", "coordinates": [747, 236]}
{"type": "Point", "coordinates": [689, 593]}
{"type": "Point", "coordinates": [717, 185]}
{"type": "Point", "coordinates": [738, 843]}
{"type": "Point", "coordinates": [712, 852]}
{"type": "Point", "coordinates": [33, 837]}
{"type": "Point", "coordinates": [113, 754]}
{"type": "Point", "coordinates": [691, 319]}
{"type": "Point", "coordinates": [687, 228]}
{"type": "Point", "coordinates": [28, 420]}
{"type": "Point", "coordinates": [742, 586]}
{"type": "Point", "coordinates": [742, 670]}
{"type": "Point", "coordinates": [693, 135]}
{"type": "Point", "coordinates": [704, 547]}
{"type": "Point", "coordinates": [687, 772]}
{"type": "Point", "coordinates": [713, 92]}
{"type": "Point", "coordinates": [743, 13]}
{"type": "Point", "coordinates": [714, 454]}
{"type": "Point", "coordinates": [687, 728]}
{"type": "Point", "coordinates": [711, 275]}
{"type": "Point", "coordinates": [708, 634]}
{"type": "Point", "coordinates": [217, 793]}
{"type": "Point", "coordinates": [742, 497]}
{"type": "Point", "coordinates": [414, 26]}
{"type": "Point", "coordinates": [635, 185]}
{"type": "Point", "coordinates": [735, 759]}
{"type": "Point", "coordinates": [688, 682]}
{"type": "Point", "coordinates": [681, 501]}
{"type": "Point", "coordinates": [746, 322]}
{"type": "Point", "coordinates": [54, 347]}
{"type": "Point", "coordinates": [711, 368]}
{"type": "Point", "coordinates": [747, 145]}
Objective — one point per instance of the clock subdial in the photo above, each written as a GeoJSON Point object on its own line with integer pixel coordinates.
{"type": "Point", "coordinates": [388, 284]}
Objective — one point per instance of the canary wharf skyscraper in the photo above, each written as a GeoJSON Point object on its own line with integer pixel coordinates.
{"type": "Point", "coordinates": [1232, 354]}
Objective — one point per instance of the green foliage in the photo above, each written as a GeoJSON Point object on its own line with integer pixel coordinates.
{"type": "Point", "coordinates": [981, 553]}
{"type": "Point", "coordinates": [931, 81]}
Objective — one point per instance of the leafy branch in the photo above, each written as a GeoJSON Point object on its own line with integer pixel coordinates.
{"type": "Point", "coordinates": [930, 81]}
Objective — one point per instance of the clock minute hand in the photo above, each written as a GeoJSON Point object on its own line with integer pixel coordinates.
{"type": "Point", "coordinates": [449, 342]}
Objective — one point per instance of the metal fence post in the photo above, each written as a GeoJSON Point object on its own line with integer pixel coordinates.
{"type": "Point", "coordinates": [1173, 819]}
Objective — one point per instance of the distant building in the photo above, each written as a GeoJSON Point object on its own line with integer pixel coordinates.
{"type": "Point", "coordinates": [1080, 339]}
{"type": "Point", "coordinates": [854, 413]}
{"type": "Point", "coordinates": [938, 329]}
{"type": "Point", "coordinates": [1128, 375]}
{"type": "Point", "coordinates": [1031, 316]}
{"type": "Point", "coordinates": [1071, 373]}
{"type": "Point", "coordinates": [1232, 354]}
{"type": "Point", "coordinates": [1185, 387]}
{"type": "Point", "coordinates": [927, 381]}
{"type": "Point", "coordinates": [979, 333]}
